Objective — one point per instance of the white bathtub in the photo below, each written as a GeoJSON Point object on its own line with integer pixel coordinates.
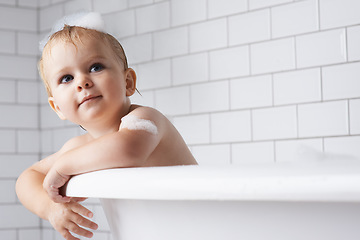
{"type": "Point", "coordinates": [314, 201]}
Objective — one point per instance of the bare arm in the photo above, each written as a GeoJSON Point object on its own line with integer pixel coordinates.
{"type": "Point", "coordinates": [64, 217]}
{"type": "Point", "coordinates": [124, 148]}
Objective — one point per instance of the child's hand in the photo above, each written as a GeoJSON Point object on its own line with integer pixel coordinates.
{"type": "Point", "coordinates": [69, 217]}
{"type": "Point", "coordinates": [52, 183]}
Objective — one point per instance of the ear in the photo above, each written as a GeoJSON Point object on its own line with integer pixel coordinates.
{"type": "Point", "coordinates": [130, 82]}
{"type": "Point", "coordinates": [56, 108]}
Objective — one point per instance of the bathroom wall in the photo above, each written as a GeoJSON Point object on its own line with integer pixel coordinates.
{"type": "Point", "coordinates": [242, 80]}
{"type": "Point", "coordinates": [19, 113]}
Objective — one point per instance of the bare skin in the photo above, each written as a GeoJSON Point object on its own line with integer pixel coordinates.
{"type": "Point", "coordinates": [90, 88]}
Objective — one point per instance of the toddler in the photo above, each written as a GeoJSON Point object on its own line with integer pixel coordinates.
{"type": "Point", "coordinates": [88, 82]}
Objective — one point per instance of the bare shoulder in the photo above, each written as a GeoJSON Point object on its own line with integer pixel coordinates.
{"type": "Point", "coordinates": [151, 114]}
{"type": "Point", "coordinates": [146, 112]}
{"type": "Point", "coordinates": [75, 142]}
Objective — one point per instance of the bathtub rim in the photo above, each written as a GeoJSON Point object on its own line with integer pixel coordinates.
{"type": "Point", "coordinates": [247, 182]}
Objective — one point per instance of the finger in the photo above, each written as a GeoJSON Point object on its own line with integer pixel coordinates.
{"type": "Point", "coordinates": [80, 209]}
{"type": "Point", "coordinates": [59, 199]}
{"type": "Point", "coordinates": [84, 222]}
{"type": "Point", "coordinates": [67, 235]}
{"type": "Point", "coordinates": [78, 199]}
{"type": "Point", "coordinates": [73, 227]}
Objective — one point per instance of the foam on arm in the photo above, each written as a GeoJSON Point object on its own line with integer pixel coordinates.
{"type": "Point", "coordinates": [133, 122]}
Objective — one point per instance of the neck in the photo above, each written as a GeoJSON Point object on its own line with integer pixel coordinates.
{"type": "Point", "coordinates": [111, 124]}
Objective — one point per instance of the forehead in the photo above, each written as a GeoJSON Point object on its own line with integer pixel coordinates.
{"type": "Point", "coordinates": [86, 46]}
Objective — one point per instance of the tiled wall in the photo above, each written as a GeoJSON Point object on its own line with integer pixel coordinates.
{"type": "Point", "coordinates": [19, 114]}
{"type": "Point", "coordinates": [242, 80]}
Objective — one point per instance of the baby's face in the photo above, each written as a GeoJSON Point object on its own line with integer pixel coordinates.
{"type": "Point", "coordinates": [87, 81]}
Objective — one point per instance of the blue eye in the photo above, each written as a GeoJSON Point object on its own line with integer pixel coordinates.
{"type": "Point", "coordinates": [66, 79]}
{"type": "Point", "coordinates": [96, 67]}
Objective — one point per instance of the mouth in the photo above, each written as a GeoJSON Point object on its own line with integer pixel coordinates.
{"type": "Point", "coordinates": [89, 99]}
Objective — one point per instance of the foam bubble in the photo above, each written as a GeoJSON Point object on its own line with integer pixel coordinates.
{"type": "Point", "coordinates": [90, 20]}
{"type": "Point", "coordinates": [133, 122]}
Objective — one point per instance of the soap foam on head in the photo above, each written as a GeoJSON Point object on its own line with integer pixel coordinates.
{"type": "Point", "coordinates": [133, 122]}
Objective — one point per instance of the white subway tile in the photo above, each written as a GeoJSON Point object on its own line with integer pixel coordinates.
{"type": "Point", "coordinates": [296, 18]}
{"type": "Point", "coordinates": [28, 3]}
{"type": "Point", "coordinates": [46, 137]}
{"type": "Point", "coordinates": [321, 48]}
{"type": "Point", "coordinates": [29, 234]}
{"type": "Point", "coordinates": [265, 3]}
{"type": "Point", "coordinates": [230, 127]}
{"type": "Point", "coordinates": [355, 116]}
{"type": "Point", "coordinates": [7, 91]}
{"type": "Point", "coordinates": [274, 123]}
{"type": "Point", "coordinates": [341, 81]}
{"type": "Point", "coordinates": [187, 11]}
{"type": "Point", "coordinates": [18, 19]}
{"type": "Point", "coordinates": [48, 118]}
{"type": "Point", "coordinates": [303, 150]}
{"type": "Point", "coordinates": [208, 35]}
{"type": "Point", "coordinates": [48, 16]}
{"type": "Point", "coordinates": [226, 7]}
{"type": "Point", "coordinates": [28, 44]}
{"type": "Point", "coordinates": [154, 75]}
{"type": "Point", "coordinates": [208, 97]}
{"type": "Point", "coordinates": [28, 141]}
{"type": "Point", "coordinates": [342, 148]}
{"type": "Point", "coordinates": [145, 99]}
{"type": "Point", "coordinates": [28, 92]}
{"type": "Point", "coordinates": [43, 3]}
{"type": "Point", "coordinates": [120, 24]}
{"type": "Point", "coordinates": [7, 188]}
{"type": "Point", "coordinates": [173, 101]}
{"type": "Point", "coordinates": [228, 63]}
{"type": "Point", "coordinates": [138, 49]}
{"type": "Point", "coordinates": [194, 129]}
{"type": "Point", "coordinates": [153, 17]}
{"type": "Point", "coordinates": [47, 234]}
{"type": "Point", "coordinates": [17, 216]}
{"type": "Point", "coordinates": [8, 234]}
{"type": "Point", "coordinates": [297, 86]}
{"type": "Point", "coordinates": [18, 116]}
{"type": "Point", "coordinates": [136, 3]}
{"type": "Point", "coordinates": [15, 165]}
{"type": "Point", "coordinates": [273, 56]}
{"type": "Point", "coordinates": [251, 92]}
{"type": "Point", "coordinates": [171, 42]}
{"type": "Point", "coordinates": [353, 37]}
{"type": "Point", "coordinates": [77, 6]}
{"type": "Point", "coordinates": [190, 69]}
{"type": "Point", "coordinates": [240, 31]}
{"type": "Point", "coordinates": [338, 13]}
{"type": "Point", "coordinates": [261, 152]}
{"type": "Point", "coordinates": [110, 6]}
{"type": "Point", "coordinates": [7, 42]}
{"type": "Point", "coordinates": [8, 2]}
{"type": "Point", "coordinates": [323, 119]}
{"type": "Point", "coordinates": [61, 136]}
{"type": "Point", "coordinates": [7, 141]}
{"type": "Point", "coordinates": [11, 65]}
{"type": "Point", "coordinates": [212, 154]}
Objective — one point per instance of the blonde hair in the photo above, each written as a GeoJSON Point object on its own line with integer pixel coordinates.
{"type": "Point", "coordinates": [74, 35]}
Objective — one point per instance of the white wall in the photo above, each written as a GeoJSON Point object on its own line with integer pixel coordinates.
{"type": "Point", "coordinates": [242, 80]}
{"type": "Point", "coordinates": [19, 113]}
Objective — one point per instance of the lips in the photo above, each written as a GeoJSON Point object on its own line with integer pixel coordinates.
{"type": "Point", "coordinates": [89, 98]}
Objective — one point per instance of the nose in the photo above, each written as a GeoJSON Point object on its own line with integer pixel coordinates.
{"type": "Point", "coordinates": [84, 83]}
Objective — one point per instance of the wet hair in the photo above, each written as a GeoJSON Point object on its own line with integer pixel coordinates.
{"type": "Point", "coordinates": [75, 35]}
